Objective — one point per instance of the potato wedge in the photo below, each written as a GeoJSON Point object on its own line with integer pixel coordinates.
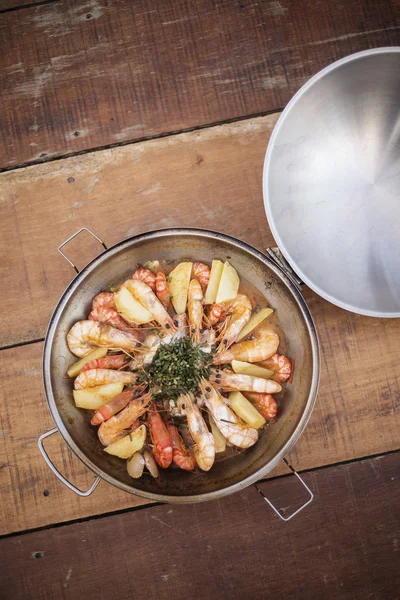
{"type": "Point", "coordinates": [245, 368]}
{"type": "Point", "coordinates": [254, 322]}
{"type": "Point", "coordinates": [129, 308]}
{"type": "Point", "coordinates": [93, 398]}
{"type": "Point", "coordinates": [178, 286]}
{"type": "Point", "coordinates": [228, 285]}
{"type": "Point", "coordinates": [213, 283]}
{"type": "Point", "coordinates": [77, 367]}
{"type": "Point", "coordinates": [219, 440]}
{"type": "Point", "coordinates": [131, 443]}
{"type": "Point", "coordinates": [245, 410]}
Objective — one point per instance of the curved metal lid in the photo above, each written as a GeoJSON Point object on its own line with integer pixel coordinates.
{"type": "Point", "coordinates": [331, 183]}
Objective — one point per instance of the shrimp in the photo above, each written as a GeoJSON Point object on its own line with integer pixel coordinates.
{"type": "Point", "coordinates": [263, 345]}
{"type": "Point", "coordinates": [239, 311]}
{"type": "Point", "coordinates": [85, 335]}
{"type": "Point", "coordinates": [216, 313]}
{"type": "Point", "coordinates": [281, 366]}
{"type": "Point", "coordinates": [112, 407]}
{"type": "Point", "coordinates": [236, 431]}
{"type": "Point", "coordinates": [180, 454]}
{"type": "Point", "coordinates": [104, 300]}
{"type": "Point", "coordinates": [146, 276]}
{"type": "Point", "coordinates": [162, 291]}
{"type": "Point", "coordinates": [202, 274]}
{"type": "Point", "coordinates": [231, 381]}
{"type": "Point", "coordinates": [160, 438]}
{"type": "Point", "coordinates": [195, 309]}
{"type": "Point", "coordinates": [95, 377]}
{"type": "Point", "coordinates": [115, 428]}
{"type": "Point", "coordinates": [207, 340]}
{"type": "Point", "coordinates": [110, 316]}
{"type": "Point", "coordinates": [204, 449]}
{"type": "Point", "coordinates": [265, 403]}
{"type": "Point", "coordinates": [113, 361]}
{"type": "Point", "coordinates": [146, 296]}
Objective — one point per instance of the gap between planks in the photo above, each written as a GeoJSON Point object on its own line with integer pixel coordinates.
{"type": "Point", "coordinates": [131, 142]}
{"type": "Point", "coordinates": [132, 509]}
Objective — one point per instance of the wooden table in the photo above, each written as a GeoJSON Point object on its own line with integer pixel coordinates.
{"type": "Point", "coordinates": [125, 116]}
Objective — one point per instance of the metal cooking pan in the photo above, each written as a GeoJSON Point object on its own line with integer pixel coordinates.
{"type": "Point", "coordinates": [113, 266]}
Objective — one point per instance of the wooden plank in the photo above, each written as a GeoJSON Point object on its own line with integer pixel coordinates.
{"type": "Point", "coordinates": [15, 4]}
{"type": "Point", "coordinates": [78, 75]}
{"type": "Point", "coordinates": [343, 546]}
{"type": "Point", "coordinates": [355, 415]}
{"type": "Point", "coordinates": [203, 179]}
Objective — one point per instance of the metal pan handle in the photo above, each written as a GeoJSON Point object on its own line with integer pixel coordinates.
{"type": "Point", "coordinates": [57, 472]}
{"type": "Point", "coordinates": [277, 257]}
{"type": "Point", "coordinates": [71, 238]}
{"type": "Point", "coordinates": [296, 512]}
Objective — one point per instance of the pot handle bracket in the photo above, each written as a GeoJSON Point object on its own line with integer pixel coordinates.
{"type": "Point", "coordinates": [296, 512]}
{"type": "Point", "coordinates": [57, 472]}
{"type": "Point", "coordinates": [71, 238]}
{"type": "Point", "coordinates": [277, 257]}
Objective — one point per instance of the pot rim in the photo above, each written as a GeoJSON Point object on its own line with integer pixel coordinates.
{"type": "Point", "coordinates": [91, 266]}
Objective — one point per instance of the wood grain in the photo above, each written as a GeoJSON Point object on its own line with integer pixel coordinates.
{"type": "Point", "coordinates": [356, 415]}
{"type": "Point", "coordinates": [84, 74]}
{"type": "Point", "coordinates": [206, 179]}
{"type": "Point", "coordinates": [16, 4]}
{"type": "Point", "coordinates": [343, 546]}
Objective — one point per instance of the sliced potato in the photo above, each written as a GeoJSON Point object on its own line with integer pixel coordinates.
{"type": "Point", "coordinates": [93, 398]}
{"type": "Point", "coordinates": [153, 266]}
{"type": "Point", "coordinates": [254, 322]}
{"type": "Point", "coordinates": [219, 440]}
{"type": "Point", "coordinates": [228, 285]}
{"type": "Point", "coordinates": [129, 308]}
{"type": "Point", "coordinates": [213, 283]}
{"type": "Point", "coordinates": [178, 286]}
{"type": "Point", "coordinates": [245, 410]}
{"type": "Point", "coordinates": [131, 443]}
{"type": "Point", "coordinates": [77, 367]}
{"type": "Point", "coordinates": [245, 368]}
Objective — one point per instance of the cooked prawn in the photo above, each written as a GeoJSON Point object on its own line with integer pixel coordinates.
{"type": "Point", "coordinates": [115, 428]}
{"type": "Point", "coordinates": [280, 365]}
{"type": "Point", "coordinates": [104, 299]}
{"type": "Point", "coordinates": [202, 274]}
{"type": "Point", "coordinates": [204, 449]}
{"type": "Point", "coordinates": [146, 276]}
{"type": "Point", "coordinates": [162, 291]}
{"type": "Point", "coordinates": [216, 313]}
{"type": "Point", "coordinates": [180, 453]}
{"type": "Point", "coordinates": [195, 309]}
{"type": "Point", "coordinates": [207, 340]}
{"type": "Point", "coordinates": [104, 314]}
{"type": "Point", "coordinates": [262, 345]}
{"type": "Point", "coordinates": [95, 377]}
{"type": "Point", "coordinates": [113, 361]}
{"type": "Point", "coordinates": [265, 403]}
{"type": "Point", "coordinates": [85, 335]}
{"type": "Point", "coordinates": [112, 407]}
{"type": "Point", "coordinates": [147, 297]}
{"type": "Point", "coordinates": [160, 438]}
{"type": "Point", "coordinates": [231, 381]}
{"type": "Point", "coordinates": [239, 311]}
{"type": "Point", "coordinates": [236, 431]}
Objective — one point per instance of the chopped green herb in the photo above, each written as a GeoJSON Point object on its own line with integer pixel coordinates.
{"type": "Point", "coordinates": [176, 369]}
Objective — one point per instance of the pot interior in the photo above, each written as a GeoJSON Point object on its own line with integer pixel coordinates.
{"type": "Point", "coordinates": [117, 264]}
